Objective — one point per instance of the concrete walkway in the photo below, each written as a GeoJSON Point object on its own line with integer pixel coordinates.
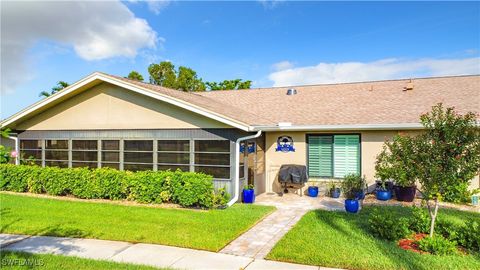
{"type": "Point", "coordinates": [259, 240]}
{"type": "Point", "coordinates": [146, 254]}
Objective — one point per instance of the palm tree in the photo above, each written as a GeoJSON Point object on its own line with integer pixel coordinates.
{"type": "Point", "coordinates": [60, 85]}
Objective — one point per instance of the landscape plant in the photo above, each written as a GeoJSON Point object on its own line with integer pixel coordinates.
{"type": "Point", "coordinates": [447, 156]}
{"type": "Point", "coordinates": [187, 189]}
{"type": "Point", "coordinates": [396, 161]}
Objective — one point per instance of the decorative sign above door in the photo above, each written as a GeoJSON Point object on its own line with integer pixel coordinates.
{"type": "Point", "coordinates": [285, 144]}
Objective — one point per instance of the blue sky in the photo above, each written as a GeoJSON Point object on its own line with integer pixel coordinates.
{"type": "Point", "coordinates": [270, 43]}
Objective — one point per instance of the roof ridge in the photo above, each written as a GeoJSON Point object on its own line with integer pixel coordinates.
{"type": "Point", "coordinates": [346, 83]}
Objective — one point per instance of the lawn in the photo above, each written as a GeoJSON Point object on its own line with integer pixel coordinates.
{"type": "Point", "coordinates": [339, 239]}
{"type": "Point", "coordinates": [22, 260]}
{"type": "Point", "coordinates": [198, 229]}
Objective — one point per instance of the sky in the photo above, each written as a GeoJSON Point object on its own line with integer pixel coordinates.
{"type": "Point", "coordinates": [272, 43]}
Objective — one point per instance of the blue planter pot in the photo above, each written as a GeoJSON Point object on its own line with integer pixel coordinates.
{"type": "Point", "coordinates": [351, 206]}
{"type": "Point", "coordinates": [313, 191]}
{"type": "Point", "coordinates": [384, 195]}
{"type": "Point", "coordinates": [360, 195]}
{"type": "Point", "coordinates": [248, 196]}
{"type": "Point", "coordinates": [335, 193]}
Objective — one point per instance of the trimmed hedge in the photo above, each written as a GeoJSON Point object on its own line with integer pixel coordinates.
{"type": "Point", "coordinates": [187, 189]}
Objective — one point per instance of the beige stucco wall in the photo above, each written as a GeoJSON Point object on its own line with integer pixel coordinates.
{"type": "Point", "coordinates": [371, 145]}
{"type": "Point", "coordinates": [110, 107]}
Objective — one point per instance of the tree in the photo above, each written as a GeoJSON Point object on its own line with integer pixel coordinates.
{"type": "Point", "coordinates": [229, 85]}
{"type": "Point", "coordinates": [163, 74]}
{"type": "Point", "coordinates": [188, 80]}
{"type": "Point", "coordinates": [447, 154]}
{"type": "Point", "coordinates": [59, 86]}
{"type": "Point", "coordinates": [134, 75]}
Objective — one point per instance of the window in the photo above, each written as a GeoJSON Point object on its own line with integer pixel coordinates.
{"type": "Point", "coordinates": [111, 154]}
{"type": "Point", "coordinates": [31, 149]}
{"type": "Point", "coordinates": [138, 155]}
{"type": "Point", "coordinates": [333, 155]}
{"type": "Point", "coordinates": [56, 153]}
{"type": "Point", "coordinates": [213, 157]}
{"type": "Point", "coordinates": [84, 153]}
{"type": "Point", "coordinates": [173, 154]}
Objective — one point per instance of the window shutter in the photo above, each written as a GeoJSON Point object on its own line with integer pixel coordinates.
{"type": "Point", "coordinates": [346, 152]}
{"type": "Point", "coordinates": [320, 156]}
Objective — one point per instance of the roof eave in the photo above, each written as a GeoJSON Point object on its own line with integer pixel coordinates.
{"type": "Point", "coordinates": [399, 126]}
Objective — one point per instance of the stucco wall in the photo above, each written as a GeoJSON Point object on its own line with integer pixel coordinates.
{"type": "Point", "coordinates": [110, 107]}
{"type": "Point", "coordinates": [371, 145]}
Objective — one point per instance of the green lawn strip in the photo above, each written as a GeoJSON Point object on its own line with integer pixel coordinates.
{"type": "Point", "coordinates": [339, 239]}
{"type": "Point", "coordinates": [198, 229]}
{"type": "Point", "coordinates": [22, 260]}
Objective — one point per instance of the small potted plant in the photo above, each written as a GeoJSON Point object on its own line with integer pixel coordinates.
{"type": "Point", "coordinates": [382, 192]}
{"type": "Point", "coordinates": [363, 186]}
{"type": "Point", "coordinates": [313, 191]}
{"type": "Point", "coordinates": [334, 190]}
{"type": "Point", "coordinates": [248, 194]}
{"type": "Point", "coordinates": [351, 185]}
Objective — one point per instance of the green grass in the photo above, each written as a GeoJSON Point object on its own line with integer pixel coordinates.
{"type": "Point", "coordinates": [208, 230]}
{"type": "Point", "coordinates": [22, 260]}
{"type": "Point", "coordinates": [339, 239]}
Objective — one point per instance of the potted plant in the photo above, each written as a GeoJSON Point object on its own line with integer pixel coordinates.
{"type": "Point", "coordinates": [396, 161]}
{"type": "Point", "coordinates": [248, 194]}
{"type": "Point", "coordinates": [383, 193]}
{"type": "Point", "coordinates": [351, 185]}
{"type": "Point", "coordinates": [334, 190]}
{"type": "Point", "coordinates": [313, 191]}
{"type": "Point", "coordinates": [360, 193]}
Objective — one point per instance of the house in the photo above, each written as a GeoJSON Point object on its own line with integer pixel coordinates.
{"type": "Point", "coordinates": [333, 129]}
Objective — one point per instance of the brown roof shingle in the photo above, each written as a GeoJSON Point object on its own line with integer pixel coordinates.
{"type": "Point", "coordinates": [379, 102]}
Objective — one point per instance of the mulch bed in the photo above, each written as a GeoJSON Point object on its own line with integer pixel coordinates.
{"type": "Point", "coordinates": [412, 243]}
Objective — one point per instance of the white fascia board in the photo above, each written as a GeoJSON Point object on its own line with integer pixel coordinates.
{"type": "Point", "coordinates": [135, 88]}
{"type": "Point", "coordinates": [410, 126]}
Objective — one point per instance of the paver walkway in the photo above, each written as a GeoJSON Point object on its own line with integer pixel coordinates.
{"type": "Point", "coordinates": [146, 254]}
{"type": "Point", "coordinates": [259, 240]}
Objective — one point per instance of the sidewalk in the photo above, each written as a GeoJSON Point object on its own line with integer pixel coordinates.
{"type": "Point", "coordinates": [147, 254]}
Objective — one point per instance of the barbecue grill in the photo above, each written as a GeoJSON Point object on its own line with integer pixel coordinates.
{"type": "Point", "coordinates": [292, 174]}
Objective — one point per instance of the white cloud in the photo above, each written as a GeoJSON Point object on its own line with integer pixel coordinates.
{"type": "Point", "coordinates": [270, 4]}
{"type": "Point", "coordinates": [377, 70]}
{"type": "Point", "coordinates": [156, 6]}
{"type": "Point", "coordinates": [282, 65]}
{"type": "Point", "coordinates": [94, 29]}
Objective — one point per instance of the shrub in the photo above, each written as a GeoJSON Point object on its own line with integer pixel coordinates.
{"type": "Point", "coordinates": [468, 236]}
{"type": "Point", "coordinates": [183, 188]}
{"type": "Point", "coordinates": [16, 179]}
{"type": "Point", "coordinates": [419, 220]}
{"type": "Point", "coordinates": [438, 245]}
{"type": "Point", "coordinates": [193, 189]}
{"type": "Point", "coordinates": [386, 225]}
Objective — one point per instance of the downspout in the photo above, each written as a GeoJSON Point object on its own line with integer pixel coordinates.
{"type": "Point", "coordinates": [236, 178]}
{"type": "Point", "coordinates": [17, 147]}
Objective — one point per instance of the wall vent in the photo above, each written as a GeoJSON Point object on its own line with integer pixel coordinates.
{"type": "Point", "coordinates": [409, 86]}
{"type": "Point", "coordinates": [291, 92]}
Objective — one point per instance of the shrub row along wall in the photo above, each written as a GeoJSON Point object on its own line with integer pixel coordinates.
{"type": "Point", "coordinates": [187, 189]}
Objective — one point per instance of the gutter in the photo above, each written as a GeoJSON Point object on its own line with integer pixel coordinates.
{"type": "Point", "coordinates": [284, 127]}
{"type": "Point", "coordinates": [17, 149]}
{"type": "Point", "coordinates": [236, 178]}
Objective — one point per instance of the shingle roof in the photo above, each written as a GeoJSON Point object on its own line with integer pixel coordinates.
{"type": "Point", "coordinates": [378, 102]}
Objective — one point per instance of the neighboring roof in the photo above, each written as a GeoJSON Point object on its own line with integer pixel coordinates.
{"type": "Point", "coordinates": [363, 105]}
